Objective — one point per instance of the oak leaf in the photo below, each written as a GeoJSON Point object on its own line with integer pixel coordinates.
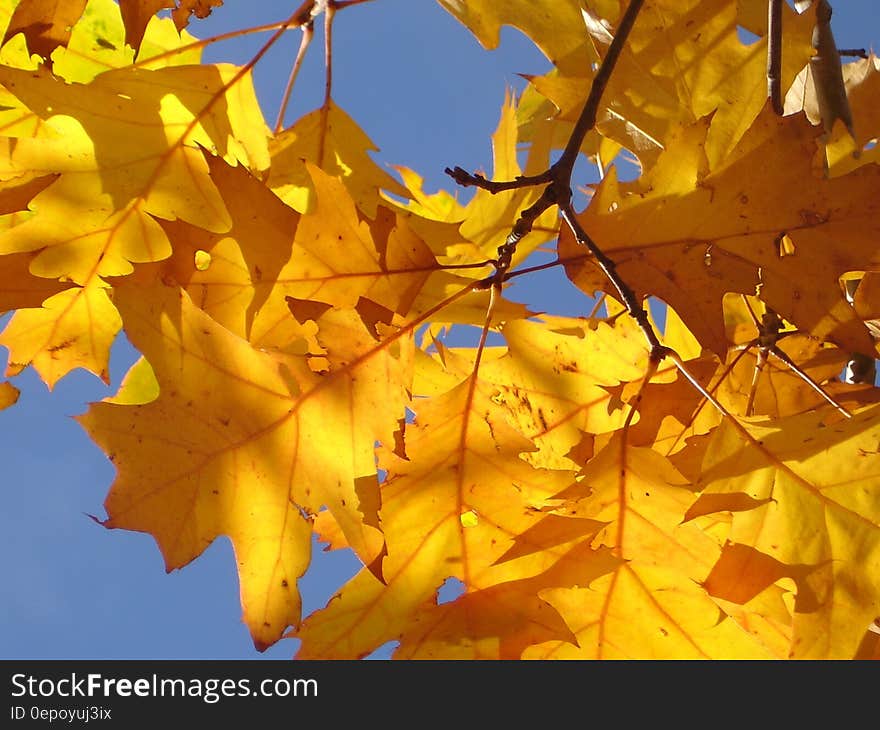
{"type": "Point", "coordinates": [714, 230]}
{"type": "Point", "coordinates": [449, 508]}
{"type": "Point", "coordinates": [557, 28]}
{"type": "Point", "coordinates": [260, 479]}
{"type": "Point", "coordinates": [814, 482]}
{"type": "Point", "coordinates": [639, 109]}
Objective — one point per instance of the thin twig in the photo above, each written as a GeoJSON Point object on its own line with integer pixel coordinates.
{"type": "Point", "coordinates": [308, 32]}
{"type": "Point", "coordinates": [796, 369]}
{"type": "Point", "coordinates": [626, 294]}
{"type": "Point", "coordinates": [756, 377]}
{"type": "Point", "coordinates": [774, 55]}
{"type": "Point", "coordinates": [856, 52]}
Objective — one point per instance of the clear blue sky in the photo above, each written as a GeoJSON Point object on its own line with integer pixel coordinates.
{"type": "Point", "coordinates": [429, 96]}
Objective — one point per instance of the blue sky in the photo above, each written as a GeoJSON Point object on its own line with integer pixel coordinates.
{"type": "Point", "coordinates": [429, 96]}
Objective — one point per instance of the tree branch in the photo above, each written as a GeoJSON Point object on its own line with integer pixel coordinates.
{"type": "Point", "coordinates": [558, 190]}
{"type": "Point", "coordinates": [774, 55]}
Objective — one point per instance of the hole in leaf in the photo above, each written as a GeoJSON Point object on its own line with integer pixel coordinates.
{"type": "Point", "coordinates": [746, 37]}
{"type": "Point", "coordinates": [202, 260]}
{"type": "Point", "coordinates": [469, 519]}
{"type": "Point", "coordinates": [784, 246]}
{"type": "Point", "coordinates": [451, 589]}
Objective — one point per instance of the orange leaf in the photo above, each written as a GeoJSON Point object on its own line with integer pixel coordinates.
{"type": "Point", "coordinates": [186, 8]}
{"type": "Point", "coordinates": [136, 14]}
{"type": "Point", "coordinates": [46, 24]}
{"type": "Point", "coordinates": [251, 455]}
{"type": "Point", "coordinates": [689, 234]}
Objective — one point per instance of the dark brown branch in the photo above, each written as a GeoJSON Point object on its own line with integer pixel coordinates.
{"type": "Point", "coordinates": [856, 52]}
{"type": "Point", "coordinates": [774, 55]}
{"type": "Point", "coordinates": [626, 295]}
{"type": "Point", "coordinates": [558, 190]}
{"type": "Point", "coordinates": [466, 179]}
{"type": "Point", "coordinates": [587, 120]}
{"type": "Point", "coordinates": [560, 172]}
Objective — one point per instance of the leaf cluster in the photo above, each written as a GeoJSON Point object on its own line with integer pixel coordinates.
{"type": "Point", "coordinates": [297, 309]}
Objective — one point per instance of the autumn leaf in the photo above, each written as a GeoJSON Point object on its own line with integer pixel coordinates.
{"type": "Point", "coordinates": [136, 14]}
{"type": "Point", "coordinates": [556, 27]}
{"type": "Point", "coordinates": [716, 230]}
{"type": "Point", "coordinates": [343, 353]}
{"type": "Point", "coordinates": [107, 140]}
{"type": "Point", "coordinates": [46, 24]}
{"type": "Point", "coordinates": [465, 472]}
{"type": "Point", "coordinates": [815, 515]}
{"type": "Point", "coordinates": [641, 109]}
{"type": "Point", "coordinates": [330, 139]}
{"type": "Point", "coordinates": [258, 481]}
{"type": "Point", "coordinates": [554, 381]}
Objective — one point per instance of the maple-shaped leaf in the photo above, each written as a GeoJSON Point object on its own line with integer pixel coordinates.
{"type": "Point", "coordinates": [72, 329]}
{"type": "Point", "coordinates": [46, 24]}
{"type": "Point", "coordinates": [556, 26]}
{"type": "Point", "coordinates": [553, 380]}
{"type": "Point", "coordinates": [449, 508]}
{"type": "Point", "coordinates": [96, 44]}
{"type": "Point", "coordinates": [646, 612]}
{"type": "Point", "coordinates": [657, 83]}
{"type": "Point", "coordinates": [501, 621]}
{"type": "Point", "coordinates": [689, 233]}
{"type": "Point", "coordinates": [845, 152]}
{"type": "Point", "coordinates": [488, 217]}
{"type": "Point", "coordinates": [231, 275]}
{"type": "Point", "coordinates": [812, 481]}
{"type": "Point", "coordinates": [124, 148]}
{"type": "Point", "coordinates": [262, 441]}
{"type": "Point", "coordinates": [332, 140]}
{"type": "Point", "coordinates": [651, 604]}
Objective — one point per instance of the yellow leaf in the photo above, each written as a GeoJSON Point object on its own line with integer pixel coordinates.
{"type": "Point", "coordinates": [691, 247]}
{"type": "Point", "coordinates": [73, 329]}
{"type": "Point", "coordinates": [682, 61]}
{"type": "Point", "coordinates": [133, 135]}
{"type": "Point", "coordinates": [306, 441]}
{"type": "Point", "coordinates": [553, 380]}
{"type": "Point", "coordinates": [139, 385]}
{"type": "Point", "coordinates": [499, 622]}
{"type": "Point", "coordinates": [815, 511]}
{"type": "Point", "coordinates": [96, 44]}
{"type": "Point", "coordinates": [556, 26]}
{"type": "Point", "coordinates": [331, 140]}
{"type": "Point", "coordinates": [489, 217]}
{"type": "Point", "coordinates": [645, 612]}
{"type": "Point", "coordinates": [46, 24]}
{"type": "Point", "coordinates": [81, 246]}
{"type": "Point", "coordinates": [459, 457]}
